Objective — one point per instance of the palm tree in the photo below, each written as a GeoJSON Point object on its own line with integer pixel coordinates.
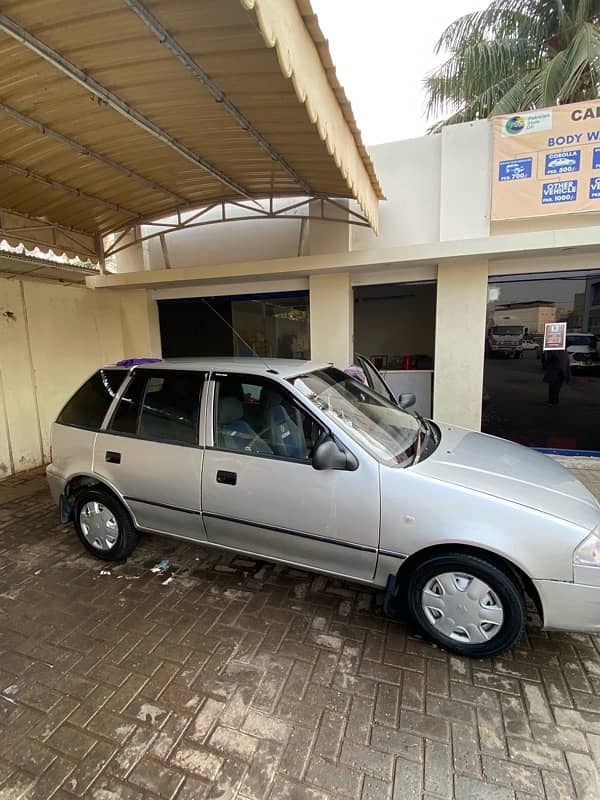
{"type": "Point", "coordinates": [516, 55]}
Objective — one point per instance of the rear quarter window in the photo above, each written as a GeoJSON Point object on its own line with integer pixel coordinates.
{"type": "Point", "coordinates": [88, 406]}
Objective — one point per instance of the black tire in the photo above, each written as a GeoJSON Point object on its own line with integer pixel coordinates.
{"type": "Point", "coordinates": [502, 583]}
{"type": "Point", "coordinates": [126, 535]}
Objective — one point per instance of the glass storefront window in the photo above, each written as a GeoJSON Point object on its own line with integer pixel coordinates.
{"type": "Point", "coordinates": [529, 396]}
{"type": "Point", "coordinates": [272, 325]}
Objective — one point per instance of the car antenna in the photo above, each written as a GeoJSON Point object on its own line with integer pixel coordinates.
{"type": "Point", "coordinates": [235, 333]}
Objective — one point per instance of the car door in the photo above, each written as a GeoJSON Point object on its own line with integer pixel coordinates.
{"type": "Point", "coordinates": [150, 451]}
{"type": "Point", "coordinates": [375, 379]}
{"type": "Point", "coordinates": [261, 494]}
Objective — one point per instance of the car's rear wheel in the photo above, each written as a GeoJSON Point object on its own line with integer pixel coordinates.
{"type": "Point", "coordinates": [103, 525]}
{"type": "Point", "coordinates": [467, 604]}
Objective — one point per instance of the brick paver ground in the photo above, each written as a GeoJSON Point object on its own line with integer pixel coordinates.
{"type": "Point", "coordinates": [243, 679]}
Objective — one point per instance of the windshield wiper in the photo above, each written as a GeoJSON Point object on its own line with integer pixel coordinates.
{"type": "Point", "coordinates": [422, 421]}
{"type": "Point", "coordinates": [425, 430]}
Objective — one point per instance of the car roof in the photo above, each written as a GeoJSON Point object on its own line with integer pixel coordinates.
{"type": "Point", "coordinates": [283, 367]}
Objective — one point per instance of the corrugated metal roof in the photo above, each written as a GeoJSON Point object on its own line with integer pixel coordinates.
{"type": "Point", "coordinates": [17, 265]}
{"type": "Point", "coordinates": [106, 122]}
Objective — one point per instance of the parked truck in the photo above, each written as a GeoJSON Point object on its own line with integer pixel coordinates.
{"type": "Point", "coordinates": [506, 336]}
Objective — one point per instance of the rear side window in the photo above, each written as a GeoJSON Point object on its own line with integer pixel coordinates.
{"type": "Point", "coordinates": [88, 406]}
{"type": "Point", "coordinates": [162, 407]}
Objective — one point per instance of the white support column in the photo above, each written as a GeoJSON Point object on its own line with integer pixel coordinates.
{"type": "Point", "coordinates": [332, 318]}
{"type": "Point", "coordinates": [132, 258]}
{"type": "Point", "coordinates": [140, 324]}
{"type": "Point", "coordinates": [460, 342]}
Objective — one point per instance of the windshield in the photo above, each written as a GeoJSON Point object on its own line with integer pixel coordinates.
{"type": "Point", "coordinates": [383, 429]}
{"type": "Point", "coordinates": [507, 330]}
{"type": "Point", "coordinates": [581, 341]}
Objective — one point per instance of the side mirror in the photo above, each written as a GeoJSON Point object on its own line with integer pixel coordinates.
{"type": "Point", "coordinates": [407, 400]}
{"type": "Point", "coordinates": [329, 455]}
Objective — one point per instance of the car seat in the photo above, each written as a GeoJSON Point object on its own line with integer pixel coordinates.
{"type": "Point", "coordinates": [287, 436]}
{"type": "Point", "coordinates": [234, 432]}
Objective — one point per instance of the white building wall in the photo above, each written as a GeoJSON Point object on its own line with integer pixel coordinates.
{"type": "Point", "coordinates": [465, 181]}
{"type": "Point", "coordinates": [52, 338]}
{"type": "Point", "coordinates": [409, 172]}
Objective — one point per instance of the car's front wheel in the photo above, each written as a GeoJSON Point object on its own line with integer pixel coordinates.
{"type": "Point", "coordinates": [467, 604]}
{"type": "Point", "coordinates": [103, 525]}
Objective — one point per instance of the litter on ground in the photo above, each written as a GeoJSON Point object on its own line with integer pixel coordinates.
{"type": "Point", "coordinates": [161, 566]}
{"type": "Point", "coordinates": [8, 699]}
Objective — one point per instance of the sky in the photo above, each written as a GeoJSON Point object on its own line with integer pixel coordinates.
{"type": "Point", "coordinates": [382, 50]}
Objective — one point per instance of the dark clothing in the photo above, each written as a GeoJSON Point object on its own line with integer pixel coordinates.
{"type": "Point", "coordinates": [556, 366]}
{"type": "Point", "coordinates": [556, 372]}
{"type": "Point", "coordinates": [553, 392]}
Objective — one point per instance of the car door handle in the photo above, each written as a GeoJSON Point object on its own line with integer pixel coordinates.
{"type": "Point", "coordinates": [112, 457]}
{"type": "Point", "coordinates": [223, 476]}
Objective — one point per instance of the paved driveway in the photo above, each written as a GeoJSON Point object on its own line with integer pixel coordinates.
{"type": "Point", "coordinates": [243, 679]}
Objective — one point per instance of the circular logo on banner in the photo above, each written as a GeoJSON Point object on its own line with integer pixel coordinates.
{"type": "Point", "coordinates": [514, 124]}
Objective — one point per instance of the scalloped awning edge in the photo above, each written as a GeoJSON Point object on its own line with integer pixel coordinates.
{"type": "Point", "coordinates": [282, 27]}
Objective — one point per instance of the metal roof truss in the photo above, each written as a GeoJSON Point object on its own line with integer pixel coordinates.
{"type": "Point", "coordinates": [300, 210]}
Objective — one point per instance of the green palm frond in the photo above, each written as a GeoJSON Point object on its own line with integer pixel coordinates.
{"type": "Point", "coordinates": [582, 55]}
{"type": "Point", "coordinates": [514, 55]}
{"type": "Point", "coordinates": [479, 76]}
{"type": "Point", "coordinates": [518, 96]}
{"type": "Point", "coordinates": [553, 79]}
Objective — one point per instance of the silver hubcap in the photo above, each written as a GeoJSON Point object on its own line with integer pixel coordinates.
{"type": "Point", "coordinates": [462, 607]}
{"type": "Point", "coordinates": [99, 525]}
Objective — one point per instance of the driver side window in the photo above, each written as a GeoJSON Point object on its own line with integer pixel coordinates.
{"type": "Point", "coordinates": [257, 416]}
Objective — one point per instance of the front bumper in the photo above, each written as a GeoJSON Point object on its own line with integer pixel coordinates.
{"type": "Point", "coordinates": [570, 606]}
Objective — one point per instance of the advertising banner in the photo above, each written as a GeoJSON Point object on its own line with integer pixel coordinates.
{"type": "Point", "coordinates": [547, 162]}
{"type": "Point", "coordinates": [555, 335]}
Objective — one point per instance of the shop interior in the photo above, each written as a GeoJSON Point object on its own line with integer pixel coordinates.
{"type": "Point", "coordinates": [394, 326]}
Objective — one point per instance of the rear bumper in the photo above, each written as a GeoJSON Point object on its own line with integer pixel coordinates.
{"type": "Point", "coordinates": [570, 606]}
{"type": "Point", "coordinates": [56, 482]}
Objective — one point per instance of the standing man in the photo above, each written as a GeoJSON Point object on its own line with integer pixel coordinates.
{"type": "Point", "coordinates": [557, 370]}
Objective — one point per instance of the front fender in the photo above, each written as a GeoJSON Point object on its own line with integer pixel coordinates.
{"type": "Point", "coordinates": [419, 512]}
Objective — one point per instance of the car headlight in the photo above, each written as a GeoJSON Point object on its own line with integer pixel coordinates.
{"type": "Point", "coordinates": [588, 552]}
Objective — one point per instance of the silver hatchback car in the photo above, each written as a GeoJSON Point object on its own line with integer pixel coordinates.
{"type": "Point", "coordinates": [297, 462]}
